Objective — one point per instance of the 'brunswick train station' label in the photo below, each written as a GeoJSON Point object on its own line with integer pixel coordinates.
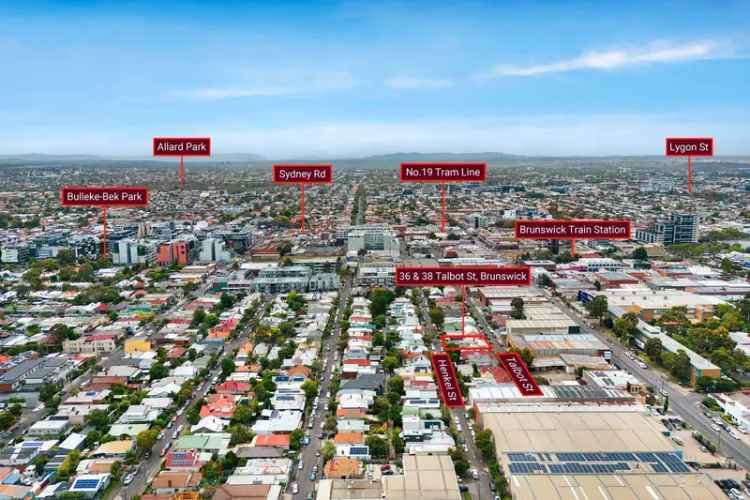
{"type": "Point", "coordinates": [574, 229]}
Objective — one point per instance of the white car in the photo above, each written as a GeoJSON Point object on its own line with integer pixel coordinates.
{"type": "Point", "coordinates": [128, 479]}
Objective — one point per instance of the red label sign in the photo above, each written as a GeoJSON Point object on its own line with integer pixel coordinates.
{"type": "Point", "coordinates": [463, 275]}
{"type": "Point", "coordinates": [303, 174]}
{"type": "Point", "coordinates": [443, 172]}
{"type": "Point", "coordinates": [104, 196]}
{"type": "Point", "coordinates": [182, 146]}
{"type": "Point", "coordinates": [447, 380]}
{"type": "Point", "coordinates": [574, 229]}
{"type": "Point", "coordinates": [519, 373]}
{"type": "Point", "coordinates": [690, 146]}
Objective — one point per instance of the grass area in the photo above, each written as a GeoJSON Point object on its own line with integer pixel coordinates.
{"type": "Point", "coordinates": [466, 495]}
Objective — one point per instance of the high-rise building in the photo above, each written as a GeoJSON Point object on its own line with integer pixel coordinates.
{"type": "Point", "coordinates": [212, 250]}
{"type": "Point", "coordinates": [130, 251]}
{"type": "Point", "coordinates": [372, 237]}
{"type": "Point", "coordinates": [679, 228]}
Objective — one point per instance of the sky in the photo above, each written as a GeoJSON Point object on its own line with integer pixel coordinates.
{"type": "Point", "coordinates": [294, 80]}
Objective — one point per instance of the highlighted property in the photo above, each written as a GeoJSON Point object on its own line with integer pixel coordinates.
{"type": "Point", "coordinates": [475, 342]}
{"type": "Point", "coordinates": [447, 381]}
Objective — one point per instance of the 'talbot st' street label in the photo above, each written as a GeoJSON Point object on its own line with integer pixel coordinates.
{"type": "Point", "coordinates": [303, 173]}
{"type": "Point", "coordinates": [463, 275]}
{"type": "Point", "coordinates": [182, 146]}
{"type": "Point", "coordinates": [690, 146]}
{"type": "Point", "coordinates": [104, 196]}
{"type": "Point", "coordinates": [519, 373]}
{"type": "Point", "coordinates": [573, 229]}
{"type": "Point", "coordinates": [443, 172]}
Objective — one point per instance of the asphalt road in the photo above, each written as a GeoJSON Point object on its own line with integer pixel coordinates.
{"type": "Point", "coordinates": [687, 406]}
{"type": "Point", "coordinates": [308, 453]}
{"type": "Point", "coordinates": [148, 468]}
{"type": "Point", "coordinates": [479, 488]}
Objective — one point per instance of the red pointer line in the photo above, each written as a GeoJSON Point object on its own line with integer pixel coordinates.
{"type": "Point", "coordinates": [572, 248]}
{"type": "Point", "coordinates": [463, 308]}
{"type": "Point", "coordinates": [103, 243]}
{"type": "Point", "coordinates": [442, 203]}
{"type": "Point", "coordinates": [182, 172]}
{"type": "Point", "coordinates": [690, 174]}
{"type": "Point", "coordinates": [302, 206]}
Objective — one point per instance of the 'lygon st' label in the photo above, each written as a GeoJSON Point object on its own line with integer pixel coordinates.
{"type": "Point", "coordinates": [690, 146]}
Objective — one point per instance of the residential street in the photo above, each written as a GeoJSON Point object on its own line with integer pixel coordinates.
{"type": "Point", "coordinates": [308, 458]}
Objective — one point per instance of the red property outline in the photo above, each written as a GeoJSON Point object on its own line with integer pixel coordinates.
{"type": "Point", "coordinates": [447, 337]}
{"type": "Point", "coordinates": [303, 166]}
{"type": "Point", "coordinates": [181, 153]}
{"type": "Point", "coordinates": [666, 146]}
{"type": "Point", "coordinates": [504, 357]}
{"type": "Point", "coordinates": [104, 188]}
{"type": "Point", "coordinates": [481, 165]}
{"type": "Point", "coordinates": [459, 400]}
{"type": "Point", "coordinates": [550, 222]}
{"type": "Point", "coordinates": [488, 268]}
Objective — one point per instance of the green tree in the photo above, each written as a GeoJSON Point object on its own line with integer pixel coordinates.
{"type": "Point", "coordinates": [640, 253]}
{"type": "Point", "coordinates": [145, 440]}
{"type": "Point", "coordinates": [654, 349]}
{"type": "Point", "coordinates": [380, 299]}
{"type": "Point", "coordinates": [396, 385]}
{"type": "Point", "coordinates": [328, 450]}
{"type": "Point", "coordinates": [437, 317]}
{"type": "Point", "coordinates": [485, 443]}
{"type": "Point", "coordinates": [310, 388]}
{"type": "Point", "coordinates": [158, 371]}
{"type": "Point", "coordinates": [597, 307]}
{"type": "Point", "coordinates": [390, 363]}
{"type": "Point", "coordinates": [116, 470]}
{"type": "Point", "coordinates": [240, 434]}
{"type": "Point", "coordinates": [227, 367]}
{"type": "Point", "coordinates": [295, 439]}
{"type": "Point", "coordinates": [378, 446]}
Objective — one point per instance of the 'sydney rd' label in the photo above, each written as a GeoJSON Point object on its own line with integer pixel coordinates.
{"type": "Point", "coordinates": [303, 174]}
{"type": "Point", "coordinates": [443, 172]}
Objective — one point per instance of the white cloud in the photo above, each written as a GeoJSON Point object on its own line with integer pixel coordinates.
{"type": "Point", "coordinates": [617, 58]}
{"type": "Point", "coordinates": [410, 82]}
{"type": "Point", "coordinates": [290, 84]}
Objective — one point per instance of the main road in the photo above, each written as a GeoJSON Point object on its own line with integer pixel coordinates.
{"type": "Point", "coordinates": [687, 405]}
{"type": "Point", "coordinates": [309, 455]}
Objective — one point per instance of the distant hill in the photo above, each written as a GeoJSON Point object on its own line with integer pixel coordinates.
{"type": "Point", "coordinates": [399, 157]}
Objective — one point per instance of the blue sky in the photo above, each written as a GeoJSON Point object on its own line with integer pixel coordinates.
{"type": "Point", "coordinates": [297, 79]}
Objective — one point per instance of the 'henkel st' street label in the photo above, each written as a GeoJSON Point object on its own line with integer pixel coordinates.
{"type": "Point", "coordinates": [690, 146]}
{"type": "Point", "coordinates": [104, 196]}
{"type": "Point", "coordinates": [463, 275]}
{"type": "Point", "coordinates": [573, 229]}
{"type": "Point", "coordinates": [443, 172]}
{"type": "Point", "coordinates": [182, 146]}
{"type": "Point", "coordinates": [447, 380]}
{"type": "Point", "coordinates": [519, 373]}
{"type": "Point", "coordinates": [303, 174]}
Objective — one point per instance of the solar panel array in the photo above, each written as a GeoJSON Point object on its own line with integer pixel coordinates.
{"type": "Point", "coordinates": [86, 484]}
{"type": "Point", "coordinates": [663, 462]}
